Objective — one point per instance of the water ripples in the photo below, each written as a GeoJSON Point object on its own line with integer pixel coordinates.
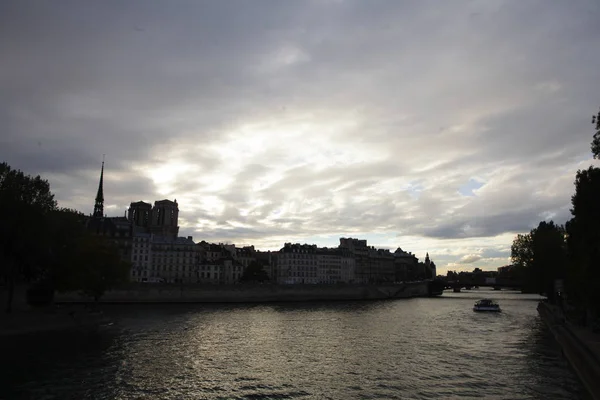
{"type": "Point", "coordinates": [405, 349]}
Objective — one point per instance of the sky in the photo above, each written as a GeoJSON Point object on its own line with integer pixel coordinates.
{"type": "Point", "coordinates": [445, 127]}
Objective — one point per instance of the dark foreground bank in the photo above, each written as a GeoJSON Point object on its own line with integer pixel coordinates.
{"type": "Point", "coordinates": [51, 318]}
{"type": "Point", "coordinates": [579, 345]}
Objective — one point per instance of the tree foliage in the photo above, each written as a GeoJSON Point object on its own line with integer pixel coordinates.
{"type": "Point", "coordinates": [81, 261]}
{"type": "Point", "coordinates": [583, 237]}
{"type": "Point", "coordinates": [66, 234]}
{"type": "Point", "coordinates": [254, 272]}
{"type": "Point", "coordinates": [596, 139]}
{"type": "Point", "coordinates": [25, 202]}
{"type": "Point", "coordinates": [521, 251]}
{"type": "Point", "coordinates": [48, 246]}
{"type": "Point", "coordinates": [573, 253]}
{"type": "Point", "coordinates": [542, 256]}
{"type": "Point", "coordinates": [96, 266]}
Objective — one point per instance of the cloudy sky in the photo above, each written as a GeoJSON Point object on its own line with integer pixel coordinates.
{"type": "Point", "coordinates": [439, 126]}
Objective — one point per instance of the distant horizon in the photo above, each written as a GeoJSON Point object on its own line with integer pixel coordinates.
{"type": "Point", "coordinates": [239, 245]}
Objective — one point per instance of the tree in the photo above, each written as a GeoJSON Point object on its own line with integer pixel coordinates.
{"type": "Point", "coordinates": [48, 246]}
{"type": "Point", "coordinates": [67, 230]}
{"type": "Point", "coordinates": [254, 272]}
{"type": "Point", "coordinates": [583, 234]}
{"type": "Point", "coordinates": [541, 254]}
{"type": "Point", "coordinates": [96, 266]}
{"type": "Point", "coordinates": [583, 237]}
{"type": "Point", "coordinates": [550, 256]}
{"type": "Point", "coordinates": [596, 139]}
{"type": "Point", "coordinates": [25, 202]}
{"type": "Point", "coordinates": [522, 250]}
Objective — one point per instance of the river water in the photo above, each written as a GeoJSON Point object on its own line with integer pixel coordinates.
{"type": "Point", "coordinates": [426, 348]}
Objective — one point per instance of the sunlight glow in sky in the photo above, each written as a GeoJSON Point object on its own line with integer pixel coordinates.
{"type": "Point", "coordinates": [440, 127]}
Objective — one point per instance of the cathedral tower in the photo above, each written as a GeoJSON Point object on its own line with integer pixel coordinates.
{"type": "Point", "coordinates": [99, 205]}
{"type": "Point", "coordinates": [165, 215]}
{"type": "Point", "coordinates": [140, 213]}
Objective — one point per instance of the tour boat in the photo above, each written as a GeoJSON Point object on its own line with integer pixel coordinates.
{"type": "Point", "coordinates": [486, 305]}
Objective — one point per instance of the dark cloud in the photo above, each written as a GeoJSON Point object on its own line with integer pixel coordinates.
{"type": "Point", "coordinates": [271, 121]}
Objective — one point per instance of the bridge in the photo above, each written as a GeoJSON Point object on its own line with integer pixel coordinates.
{"type": "Point", "coordinates": [497, 284]}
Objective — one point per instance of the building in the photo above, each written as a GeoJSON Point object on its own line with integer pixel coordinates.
{"type": "Point", "coordinates": [297, 263]}
{"type": "Point", "coordinates": [430, 268]}
{"type": "Point", "coordinates": [405, 265]}
{"type": "Point", "coordinates": [140, 214]}
{"type": "Point", "coordinates": [329, 265]}
{"type": "Point", "coordinates": [158, 254]}
{"type": "Point", "coordinates": [223, 263]}
{"type": "Point", "coordinates": [358, 249]}
{"type": "Point", "coordinates": [222, 271]}
{"type": "Point", "coordinates": [334, 266]}
{"type": "Point", "coordinates": [117, 229]}
{"type": "Point", "coordinates": [170, 259]}
{"type": "Point", "coordinates": [164, 218]}
{"type": "Point", "coordinates": [244, 255]}
{"type": "Point", "coordinates": [382, 265]}
{"type": "Point", "coordinates": [371, 265]}
{"type": "Point", "coordinates": [269, 261]}
{"type": "Point", "coordinates": [163, 259]}
{"type": "Point", "coordinates": [148, 238]}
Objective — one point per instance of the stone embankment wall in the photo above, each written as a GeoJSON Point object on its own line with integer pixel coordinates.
{"type": "Point", "coordinates": [575, 347]}
{"type": "Point", "coordinates": [158, 293]}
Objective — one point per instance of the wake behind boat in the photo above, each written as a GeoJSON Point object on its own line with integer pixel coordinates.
{"type": "Point", "coordinates": [486, 305]}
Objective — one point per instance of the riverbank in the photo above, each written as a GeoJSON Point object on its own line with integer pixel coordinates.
{"type": "Point", "coordinates": [161, 293]}
{"type": "Point", "coordinates": [50, 318]}
{"type": "Point", "coordinates": [71, 311]}
{"type": "Point", "coordinates": [580, 346]}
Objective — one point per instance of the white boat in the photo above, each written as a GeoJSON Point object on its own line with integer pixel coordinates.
{"type": "Point", "coordinates": [486, 305]}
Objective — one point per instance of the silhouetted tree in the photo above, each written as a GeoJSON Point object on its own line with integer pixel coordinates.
{"type": "Point", "coordinates": [451, 275]}
{"type": "Point", "coordinates": [521, 251]}
{"type": "Point", "coordinates": [583, 235]}
{"type": "Point", "coordinates": [542, 255]}
{"type": "Point", "coordinates": [254, 272]}
{"type": "Point", "coordinates": [47, 247]}
{"type": "Point", "coordinates": [549, 248]}
{"type": "Point", "coordinates": [596, 139]}
{"type": "Point", "coordinates": [583, 232]}
{"type": "Point", "coordinates": [96, 266]}
{"type": "Point", "coordinates": [67, 230]}
{"type": "Point", "coordinates": [25, 202]}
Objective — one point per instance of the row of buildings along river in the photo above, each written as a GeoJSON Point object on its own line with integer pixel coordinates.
{"type": "Point", "coordinates": [148, 237]}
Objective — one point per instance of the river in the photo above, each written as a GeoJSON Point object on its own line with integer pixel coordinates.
{"type": "Point", "coordinates": [425, 348]}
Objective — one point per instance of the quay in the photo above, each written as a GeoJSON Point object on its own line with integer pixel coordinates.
{"type": "Point", "coordinates": [580, 346]}
{"type": "Point", "coordinates": [255, 293]}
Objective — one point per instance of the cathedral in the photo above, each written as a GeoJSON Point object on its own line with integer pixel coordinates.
{"type": "Point", "coordinates": [160, 219]}
{"type": "Point", "coordinates": [147, 237]}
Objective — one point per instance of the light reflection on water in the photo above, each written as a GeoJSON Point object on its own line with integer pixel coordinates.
{"type": "Point", "coordinates": [403, 349]}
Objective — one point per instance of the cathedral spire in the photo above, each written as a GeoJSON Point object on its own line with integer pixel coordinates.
{"type": "Point", "coordinates": [99, 205]}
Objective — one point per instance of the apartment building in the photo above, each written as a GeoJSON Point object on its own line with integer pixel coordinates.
{"type": "Point", "coordinates": [297, 263]}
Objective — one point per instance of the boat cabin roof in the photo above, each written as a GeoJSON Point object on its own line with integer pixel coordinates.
{"type": "Point", "coordinates": [486, 301]}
